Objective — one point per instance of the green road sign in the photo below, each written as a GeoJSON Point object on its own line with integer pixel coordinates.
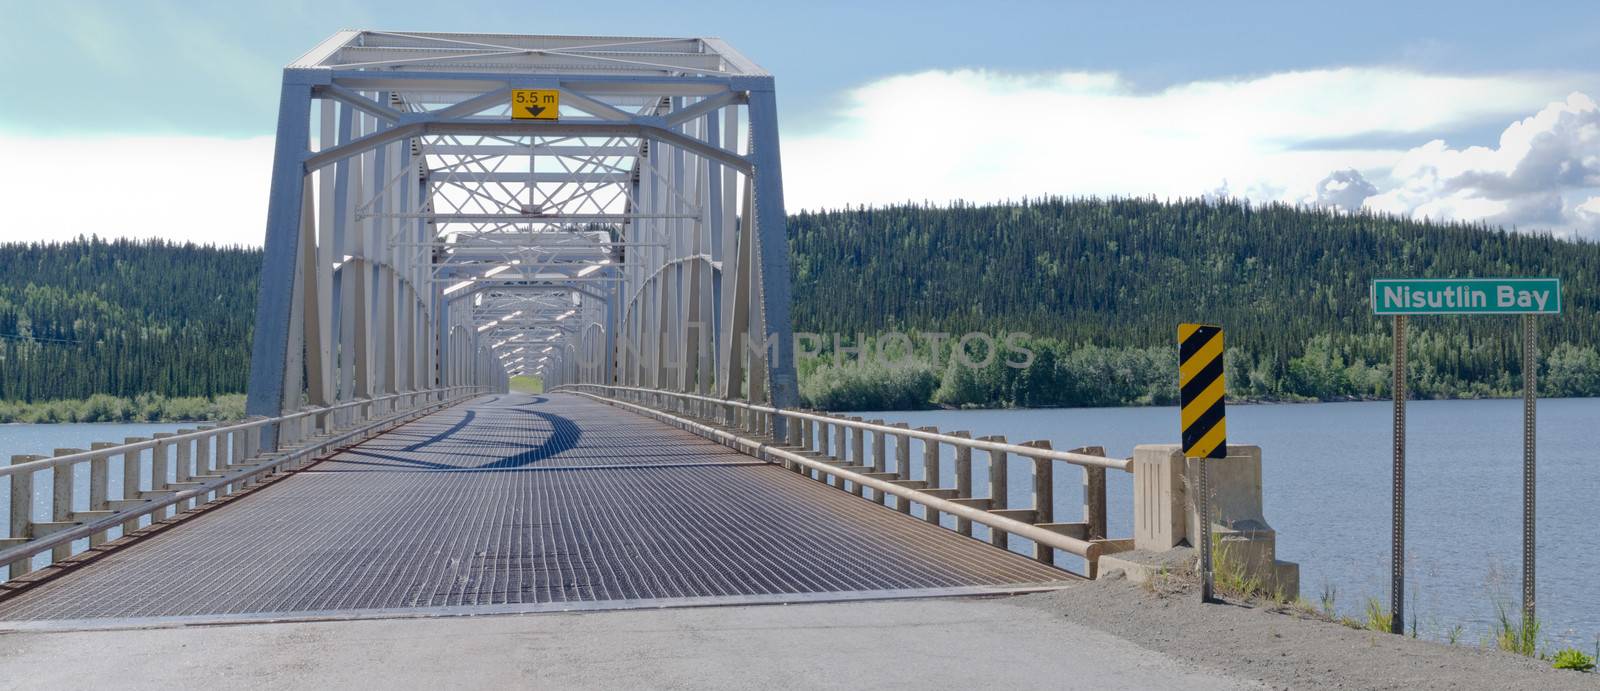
{"type": "Point", "coordinates": [1466, 296]}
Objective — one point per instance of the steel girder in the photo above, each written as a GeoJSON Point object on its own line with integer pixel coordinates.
{"type": "Point", "coordinates": [419, 236]}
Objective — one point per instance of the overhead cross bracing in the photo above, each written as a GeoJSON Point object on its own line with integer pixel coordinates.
{"type": "Point", "coordinates": [421, 233]}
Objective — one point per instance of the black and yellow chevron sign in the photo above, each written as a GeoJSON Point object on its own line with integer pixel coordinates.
{"type": "Point", "coordinates": [1205, 423]}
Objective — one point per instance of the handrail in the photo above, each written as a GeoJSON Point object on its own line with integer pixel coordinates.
{"type": "Point", "coordinates": [246, 424]}
{"type": "Point", "coordinates": [1073, 457]}
{"type": "Point", "coordinates": [1088, 549]}
{"type": "Point", "coordinates": [37, 545]}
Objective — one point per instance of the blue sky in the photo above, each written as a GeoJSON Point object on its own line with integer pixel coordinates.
{"type": "Point", "coordinates": [1245, 99]}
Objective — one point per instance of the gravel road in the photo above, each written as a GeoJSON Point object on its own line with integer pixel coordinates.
{"type": "Point", "coordinates": [1287, 651]}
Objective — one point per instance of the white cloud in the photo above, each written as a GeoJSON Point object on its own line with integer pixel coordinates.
{"type": "Point", "coordinates": [981, 136]}
{"type": "Point", "coordinates": [1544, 173]}
{"type": "Point", "coordinates": [209, 190]}
{"type": "Point", "coordinates": [984, 136]}
{"type": "Point", "coordinates": [1344, 190]}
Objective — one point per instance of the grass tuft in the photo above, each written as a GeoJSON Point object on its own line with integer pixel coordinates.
{"type": "Point", "coordinates": [1231, 577]}
{"type": "Point", "coordinates": [1516, 633]}
{"type": "Point", "coordinates": [1573, 659]}
{"type": "Point", "coordinates": [1378, 618]}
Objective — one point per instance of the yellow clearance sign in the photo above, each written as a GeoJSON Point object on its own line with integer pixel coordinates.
{"type": "Point", "coordinates": [535, 104]}
{"type": "Point", "coordinates": [1201, 388]}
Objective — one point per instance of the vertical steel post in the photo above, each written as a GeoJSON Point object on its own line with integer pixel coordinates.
{"type": "Point", "coordinates": [1397, 583]}
{"type": "Point", "coordinates": [1203, 502]}
{"type": "Point", "coordinates": [1530, 395]}
{"type": "Point", "coordinates": [771, 247]}
{"type": "Point", "coordinates": [270, 354]}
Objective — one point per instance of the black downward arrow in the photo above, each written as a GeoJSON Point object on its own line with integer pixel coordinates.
{"type": "Point", "coordinates": [534, 110]}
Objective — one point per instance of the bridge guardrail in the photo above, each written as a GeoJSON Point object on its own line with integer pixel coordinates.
{"type": "Point", "coordinates": [806, 448]}
{"type": "Point", "coordinates": [208, 463]}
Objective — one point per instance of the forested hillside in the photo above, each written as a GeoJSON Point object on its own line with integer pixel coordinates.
{"type": "Point", "coordinates": [1099, 285]}
{"type": "Point", "coordinates": [1103, 284]}
{"type": "Point", "coordinates": [124, 318]}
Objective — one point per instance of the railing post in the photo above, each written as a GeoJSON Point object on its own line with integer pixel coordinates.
{"type": "Point", "coordinates": [808, 442]}
{"type": "Point", "coordinates": [184, 456]}
{"type": "Point", "coordinates": [879, 463]}
{"type": "Point", "coordinates": [902, 465]}
{"type": "Point", "coordinates": [132, 468]}
{"type": "Point", "coordinates": [858, 453]}
{"type": "Point", "coordinates": [823, 448]}
{"type": "Point", "coordinates": [252, 441]}
{"type": "Point", "coordinates": [204, 451]}
{"type": "Point", "coordinates": [822, 441]}
{"type": "Point", "coordinates": [238, 454]}
{"type": "Point", "coordinates": [963, 480]}
{"type": "Point", "coordinates": [1044, 498]}
{"type": "Point", "coordinates": [930, 470]}
{"type": "Point", "coordinates": [998, 494]}
{"type": "Point", "coordinates": [795, 429]}
{"type": "Point", "coordinates": [1094, 495]}
{"type": "Point", "coordinates": [841, 450]}
{"type": "Point", "coordinates": [99, 486]}
{"type": "Point", "coordinates": [236, 451]}
{"type": "Point", "coordinates": [61, 499]}
{"type": "Point", "coordinates": [22, 512]}
{"type": "Point", "coordinates": [158, 469]}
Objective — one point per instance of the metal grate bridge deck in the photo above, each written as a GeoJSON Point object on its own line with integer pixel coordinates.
{"type": "Point", "coordinates": [520, 500]}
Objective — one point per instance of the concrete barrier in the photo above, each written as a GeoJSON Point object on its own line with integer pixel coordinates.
{"type": "Point", "coordinates": [1166, 512]}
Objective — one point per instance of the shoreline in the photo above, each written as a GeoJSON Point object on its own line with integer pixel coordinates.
{"type": "Point", "coordinates": [220, 400]}
{"type": "Point", "coordinates": [142, 408]}
{"type": "Point", "coordinates": [1231, 402]}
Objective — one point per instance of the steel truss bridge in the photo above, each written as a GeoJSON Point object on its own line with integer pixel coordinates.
{"type": "Point", "coordinates": [421, 236]}
{"type": "Point", "coordinates": [425, 243]}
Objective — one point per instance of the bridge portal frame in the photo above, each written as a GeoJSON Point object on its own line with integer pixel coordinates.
{"type": "Point", "coordinates": [390, 181]}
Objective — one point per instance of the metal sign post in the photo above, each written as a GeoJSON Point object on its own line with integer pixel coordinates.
{"type": "Point", "coordinates": [1530, 396]}
{"type": "Point", "coordinates": [1202, 390]}
{"type": "Point", "coordinates": [1397, 562]}
{"type": "Point", "coordinates": [1465, 296]}
{"type": "Point", "coordinates": [1207, 576]}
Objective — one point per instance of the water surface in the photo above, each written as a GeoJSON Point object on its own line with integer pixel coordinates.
{"type": "Point", "coordinates": [1327, 469]}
